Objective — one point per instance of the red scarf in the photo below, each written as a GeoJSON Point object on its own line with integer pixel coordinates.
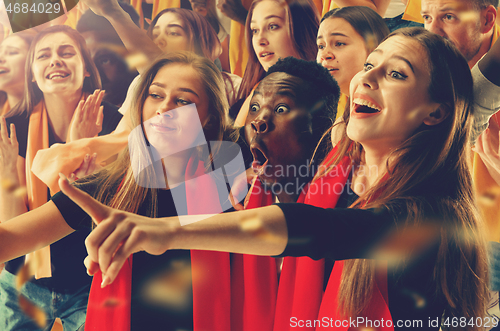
{"type": "Point", "coordinates": [109, 307]}
{"type": "Point", "coordinates": [246, 301]}
{"type": "Point", "coordinates": [254, 279]}
{"type": "Point", "coordinates": [300, 294]}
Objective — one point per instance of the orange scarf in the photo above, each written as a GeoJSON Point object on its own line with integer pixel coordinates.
{"type": "Point", "coordinates": [158, 6]}
{"type": "Point", "coordinates": [412, 11]}
{"type": "Point", "coordinates": [38, 138]}
{"type": "Point", "coordinates": [238, 52]}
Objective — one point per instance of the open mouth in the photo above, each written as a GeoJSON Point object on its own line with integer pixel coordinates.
{"type": "Point", "coordinates": [57, 75]}
{"type": "Point", "coordinates": [263, 55]}
{"type": "Point", "coordinates": [364, 106]}
{"type": "Point", "coordinates": [259, 159]}
{"type": "Point", "coordinates": [3, 71]}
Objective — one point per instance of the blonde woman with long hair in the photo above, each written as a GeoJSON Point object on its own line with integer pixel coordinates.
{"type": "Point", "coordinates": [179, 106]}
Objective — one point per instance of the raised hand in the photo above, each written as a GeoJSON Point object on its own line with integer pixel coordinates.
{"type": "Point", "coordinates": [102, 7]}
{"type": "Point", "coordinates": [9, 149]}
{"type": "Point", "coordinates": [87, 119]}
{"type": "Point", "coordinates": [118, 234]}
{"type": "Point", "coordinates": [233, 9]}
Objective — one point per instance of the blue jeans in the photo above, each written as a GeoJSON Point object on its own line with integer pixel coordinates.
{"type": "Point", "coordinates": [70, 308]}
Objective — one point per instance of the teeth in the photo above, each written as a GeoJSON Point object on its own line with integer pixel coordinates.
{"type": "Point", "coordinates": [363, 102]}
{"type": "Point", "coordinates": [58, 75]}
{"type": "Point", "coordinates": [265, 54]}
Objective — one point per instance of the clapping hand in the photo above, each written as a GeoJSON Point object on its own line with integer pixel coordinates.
{"type": "Point", "coordinates": [9, 149]}
{"type": "Point", "coordinates": [87, 119]}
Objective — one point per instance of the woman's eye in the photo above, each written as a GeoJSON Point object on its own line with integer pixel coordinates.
{"type": "Point", "coordinates": [183, 102]}
{"type": "Point", "coordinates": [338, 44]}
{"type": "Point", "coordinates": [13, 53]}
{"type": "Point", "coordinates": [398, 75]}
{"type": "Point", "coordinates": [155, 96]}
{"type": "Point", "coordinates": [254, 108]}
{"type": "Point", "coordinates": [273, 26]}
{"type": "Point", "coordinates": [368, 66]}
{"type": "Point", "coordinates": [281, 109]}
{"type": "Point", "coordinates": [43, 56]}
{"type": "Point", "coordinates": [254, 31]}
{"type": "Point", "coordinates": [321, 46]}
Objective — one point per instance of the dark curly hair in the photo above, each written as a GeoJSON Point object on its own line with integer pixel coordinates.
{"type": "Point", "coordinates": [320, 94]}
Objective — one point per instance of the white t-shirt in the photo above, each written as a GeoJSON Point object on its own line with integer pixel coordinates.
{"type": "Point", "coordinates": [396, 8]}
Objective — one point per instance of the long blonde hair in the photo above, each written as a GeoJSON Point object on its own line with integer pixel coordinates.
{"type": "Point", "coordinates": [118, 187]}
{"type": "Point", "coordinates": [430, 177]}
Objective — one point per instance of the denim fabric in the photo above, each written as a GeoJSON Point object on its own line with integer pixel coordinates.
{"type": "Point", "coordinates": [69, 307]}
{"type": "Point", "coordinates": [494, 259]}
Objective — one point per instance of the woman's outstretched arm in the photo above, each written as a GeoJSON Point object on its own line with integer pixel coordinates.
{"type": "Point", "coordinates": [261, 231]}
{"type": "Point", "coordinates": [285, 229]}
{"type": "Point", "coordinates": [31, 231]}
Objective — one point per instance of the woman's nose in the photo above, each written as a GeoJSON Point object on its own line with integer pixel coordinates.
{"type": "Point", "coordinates": [161, 42]}
{"type": "Point", "coordinates": [262, 39]}
{"type": "Point", "coordinates": [55, 61]}
{"type": "Point", "coordinates": [325, 54]}
{"type": "Point", "coordinates": [369, 79]}
{"type": "Point", "coordinates": [165, 107]}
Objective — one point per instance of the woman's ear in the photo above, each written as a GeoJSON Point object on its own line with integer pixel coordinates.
{"type": "Point", "coordinates": [437, 116]}
{"type": "Point", "coordinates": [86, 74]}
